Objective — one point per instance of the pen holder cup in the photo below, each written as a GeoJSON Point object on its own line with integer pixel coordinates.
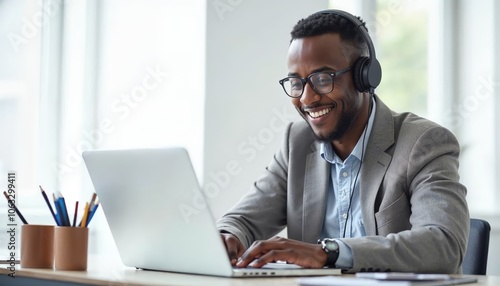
{"type": "Point", "coordinates": [71, 247]}
{"type": "Point", "coordinates": [37, 246]}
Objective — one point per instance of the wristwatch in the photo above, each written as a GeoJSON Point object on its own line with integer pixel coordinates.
{"type": "Point", "coordinates": [331, 248]}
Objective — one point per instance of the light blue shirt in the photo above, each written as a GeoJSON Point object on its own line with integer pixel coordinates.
{"type": "Point", "coordinates": [340, 221]}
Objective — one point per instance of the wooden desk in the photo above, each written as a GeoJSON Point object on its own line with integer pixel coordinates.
{"type": "Point", "coordinates": [103, 271]}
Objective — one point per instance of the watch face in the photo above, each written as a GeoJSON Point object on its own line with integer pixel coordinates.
{"type": "Point", "coordinates": [331, 245]}
{"type": "Point", "coordinates": [331, 248]}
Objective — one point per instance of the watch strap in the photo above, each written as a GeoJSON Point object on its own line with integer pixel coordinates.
{"type": "Point", "coordinates": [332, 254]}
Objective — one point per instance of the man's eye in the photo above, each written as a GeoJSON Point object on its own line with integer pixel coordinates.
{"type": "Point", "coordinates": [323, 80]}
{"type": "Point", "coordinates": [296, 84]}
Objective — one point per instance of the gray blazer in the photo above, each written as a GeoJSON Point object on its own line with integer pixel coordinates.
{"type": "Point", "coordinates": [414, 209]}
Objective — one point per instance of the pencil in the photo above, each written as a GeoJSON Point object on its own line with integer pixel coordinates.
{"type": "Point", "coordinates": [15, 208]}
{"type": "Point", "coordinates": [89, 208]}
{"type": "Point", "coordinates": [76, 211]}
{"type": "Point", "coordinates": [85, 214]}
{"type": "Point", "coordinates": [48, 204]}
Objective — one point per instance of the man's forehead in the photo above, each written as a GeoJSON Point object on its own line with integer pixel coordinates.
{"type": "Point", "coordinates": [326, 38]}
{"type": "Point", "coordinates": [321, 50]}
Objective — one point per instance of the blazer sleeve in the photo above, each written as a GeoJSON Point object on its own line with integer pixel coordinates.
{"type": "Point", "coordinates": [427, 170]}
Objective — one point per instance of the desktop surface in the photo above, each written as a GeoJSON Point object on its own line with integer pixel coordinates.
{"type": "Point", "coordinates": [110, 271]}
{"type": "Point", "coordinates": [105, 271]}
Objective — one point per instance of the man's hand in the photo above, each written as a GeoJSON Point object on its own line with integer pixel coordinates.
{"type": "Point", "coordinates": [303, 254]}
{"type": "Point", "coordinates": [234, 247]}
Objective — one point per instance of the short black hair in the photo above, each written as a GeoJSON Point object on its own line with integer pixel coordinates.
{"type": "Point", "coordinates": [319, 24]}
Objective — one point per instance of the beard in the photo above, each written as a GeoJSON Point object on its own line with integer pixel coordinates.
{"type": "Point", "coordinates": [343, 125]}
{"type": "Point", "coordinates": [350, 108]}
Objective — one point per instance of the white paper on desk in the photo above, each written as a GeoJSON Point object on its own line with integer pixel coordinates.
{"type": "Point", "coordinates": [402, 276]}
{"type": "Point", "coordinates": [352, 281]}
{"type": "Point", "coordinates": [346, 281]}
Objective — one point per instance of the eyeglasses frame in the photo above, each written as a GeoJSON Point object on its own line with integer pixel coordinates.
{"type": "Point", "coordinates": [307, 79]}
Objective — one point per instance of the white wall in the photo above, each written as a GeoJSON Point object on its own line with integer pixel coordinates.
{"type": "Point", "coordinates": [493, 258]}
{"type": "Point", "coordinates": [245, 107]}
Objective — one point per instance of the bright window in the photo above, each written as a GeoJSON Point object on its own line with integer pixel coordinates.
{"type": "Point", "coordinates": [401, 36]}
{"type": "Point", "coordinates": [20, 30]}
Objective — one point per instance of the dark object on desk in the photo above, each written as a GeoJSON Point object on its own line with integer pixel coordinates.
{"type": "Point", "coordinates": [476, 257]}
{"type": "Point", "coordinates": [5, 260]}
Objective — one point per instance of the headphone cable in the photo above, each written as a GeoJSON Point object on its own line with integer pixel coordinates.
{"type": "Point", "coordinates": [359, 169]}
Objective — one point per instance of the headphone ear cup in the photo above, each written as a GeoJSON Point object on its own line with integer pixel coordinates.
{"type": "Point", "coordinates": [357, 74]}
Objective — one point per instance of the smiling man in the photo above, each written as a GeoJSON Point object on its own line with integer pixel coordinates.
{"type": "Point", "coordinates": [358, 186]}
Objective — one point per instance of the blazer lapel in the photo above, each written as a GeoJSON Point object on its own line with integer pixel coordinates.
{"type": "Point", "coordinates": [375, 163]}
{"type": "Point", "coordinates": [315, 194]}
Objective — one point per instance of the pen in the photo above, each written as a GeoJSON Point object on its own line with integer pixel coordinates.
{"type": "Point", "coordinates": [76, 211]}
{"type": "Point", "coordinates": [62, 203]}
{"type": "Point", "coordinates": [48, 204]}
{"type": "Point", "coordinates": [15, 208]}
{"type": "Point", "coordinates": [58, 209]}
{"type": "Point", "coordinates": [92, 213]}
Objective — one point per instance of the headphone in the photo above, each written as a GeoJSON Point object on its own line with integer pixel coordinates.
{"type": "Point", "coordinates": [367, 72]}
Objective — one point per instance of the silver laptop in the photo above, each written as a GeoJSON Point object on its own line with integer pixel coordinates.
{"type": "Point", "coordinates": [159, 217]}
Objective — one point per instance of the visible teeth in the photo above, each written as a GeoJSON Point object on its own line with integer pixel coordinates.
{"type": "Point", "coordinates": [319, 113]}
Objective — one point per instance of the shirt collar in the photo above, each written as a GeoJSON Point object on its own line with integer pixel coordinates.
{"type": "Point", "coordinates": [326, 149]}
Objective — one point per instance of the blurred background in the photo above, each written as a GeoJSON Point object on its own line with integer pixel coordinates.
{"type": "Point", "coordinates": [78, 75]}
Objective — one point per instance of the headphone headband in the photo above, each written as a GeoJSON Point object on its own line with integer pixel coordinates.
{"type": "Point", "coordinates": [368, 71]}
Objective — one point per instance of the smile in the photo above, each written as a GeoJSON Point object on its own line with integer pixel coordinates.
{"type": "Point", "coordinates": [317, 114]}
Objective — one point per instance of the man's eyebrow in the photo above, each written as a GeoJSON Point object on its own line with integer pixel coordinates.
{"type": "Point", "coordinates": [321, 69]}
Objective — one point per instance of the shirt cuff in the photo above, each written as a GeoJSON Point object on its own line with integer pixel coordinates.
{"type": "Point", "coordinates": [345, 260]}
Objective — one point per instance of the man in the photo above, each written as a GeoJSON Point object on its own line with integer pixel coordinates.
{"type": "Point", "coordinates": [358, 186]}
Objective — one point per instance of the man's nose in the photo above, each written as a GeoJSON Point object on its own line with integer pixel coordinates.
{"type": "Point", "coordinates": [309, 95]}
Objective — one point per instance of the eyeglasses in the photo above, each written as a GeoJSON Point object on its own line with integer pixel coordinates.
{"type": "Point", "coordinates": [321, 83]}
